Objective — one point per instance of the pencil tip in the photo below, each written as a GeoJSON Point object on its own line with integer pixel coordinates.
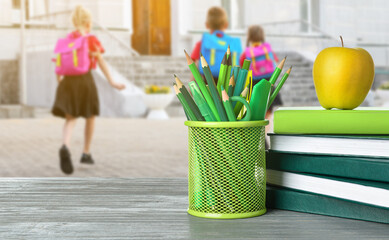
{"type": "Point", "coordinates": [281, 65]}
{"type": "Point", "coordinates": [224, 95]}
{"type": "Point", "coordinates": [188, 58]}
{"type": "Point", "coordinates": [289, 70]}
{"type": "Point", "coordinates": [174, 75]}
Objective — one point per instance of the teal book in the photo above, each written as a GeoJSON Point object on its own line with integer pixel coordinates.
{"type": "Point", "coordinates": [355, 190]}
{"type": "Point", "coordinates": [287, 199]}
{"type": "Point", "coordinates": [317, 120]}
{"type": "Point", "coordinates": [373, 169]}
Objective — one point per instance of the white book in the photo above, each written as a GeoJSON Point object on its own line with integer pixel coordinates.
{"type": "Point", "coordinates": [370, 146]}
{"type": "Point", "coordinates": [372, 193]}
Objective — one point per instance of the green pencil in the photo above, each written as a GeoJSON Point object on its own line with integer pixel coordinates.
{"type": "Point", "coordinates": [186, 114]}
{"type": "Point", "coordinates": [228, 106]}
{"type": "Point", "coordinates": [201, 103]}
{"type": "Point", "coordinates": [277, 72]}
{"type": "Point", "coordinates": [231, 86]}
{"type": "Point", "coordinates": [185, 104]}
{"type": "Point", "coordinates": [279, 86]}
{"type": "Point", "coordinates": [213, 90]}
{"type": "Point", "coordinates": [222, 74]}
{"type": "Point", "coordinates": [228, 72]}
{"type": "Point", "coordinates": [240, 82]}
{"type": "Point", "coordinates": [246, 64]}
{"type": "Point", "coordinates": [188, 99]}
{"type": "Point", "coordinates": [199, 80]}
{"type": "Point", "coordinates": [236, 72]}
{"type": "Point", "coordinates": [239, 105]}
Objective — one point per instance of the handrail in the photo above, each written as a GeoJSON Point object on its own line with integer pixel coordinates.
{"type": "Point", "coordinates": [104, 29]}
{"type": "Point", "coordinates": [123, 44]}
{"type": "Point", "coordinates": [243, 33]}
{"type": "Point", "coordinates": [319, 33]}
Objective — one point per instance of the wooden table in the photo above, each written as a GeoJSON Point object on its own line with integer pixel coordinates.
{"type": "Point", "coordinates": [152, 208]}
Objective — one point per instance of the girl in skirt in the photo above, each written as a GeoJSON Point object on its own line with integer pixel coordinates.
{"type": "Point", "coordinates": [77, 96]}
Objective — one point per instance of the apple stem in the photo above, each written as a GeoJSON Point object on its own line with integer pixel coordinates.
{"type": "Point", "coordinates": [341, 39]}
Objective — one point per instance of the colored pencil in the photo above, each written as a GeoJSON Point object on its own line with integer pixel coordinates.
{"type": "Point", "coordinates": [279, 86]}
{"type": "Point", "coordinates": [239, 105]}
{"type": "Point", "coordinates": [277, 72]}
{"type": "Point", "coordinates": [228, 72]}
{"type": "Point", "coordinates": [231, 86]}
{"type": "Point", "coordinates": [199, 80]}
{"type": "Point", "coordinates": [236, 72]}
{"type": "Point", "coordinates": [228, 106]}
{"type": "Point", "coordinates": [201, 103]}
{"type": "Point", "coordinates": [188, 99]}
{"type": "Point", "coordinates": [186, 114]}
{"type": "Point", "coordinates": [213, 90]}
{"type": "Point", "coordinates": [184, 104]}
{"type": "Point", "coordinates": [222, 74]}
{"type": "Point", "coordinates": [246, 64]}
{"type": "Point", "coordinates": [239, 83]}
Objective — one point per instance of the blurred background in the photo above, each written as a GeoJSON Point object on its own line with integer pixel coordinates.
{"type": "Point", "coordinates": [144, 42]}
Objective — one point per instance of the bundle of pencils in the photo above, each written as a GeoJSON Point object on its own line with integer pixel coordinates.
{"type": "Point", "coordinates": [212, 103]}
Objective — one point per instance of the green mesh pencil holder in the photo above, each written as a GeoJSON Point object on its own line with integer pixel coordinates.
{"type": "Point", "coordinates": [227, 177]}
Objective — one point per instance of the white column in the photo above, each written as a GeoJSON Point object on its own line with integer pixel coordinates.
{"type": "Point", "coordinates": [22, 57]}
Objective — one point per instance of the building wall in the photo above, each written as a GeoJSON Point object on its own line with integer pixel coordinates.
{"type": "Point", "coordinates": [110, 13]}
{"type": "Point", "coordinates": [9, 82]}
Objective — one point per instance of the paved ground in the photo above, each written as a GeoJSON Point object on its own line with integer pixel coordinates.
{"type": "Point", "coordinates": [121, 148]}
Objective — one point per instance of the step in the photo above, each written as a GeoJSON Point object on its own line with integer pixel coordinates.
{"type": "Point", "coordinates": [16, 111]}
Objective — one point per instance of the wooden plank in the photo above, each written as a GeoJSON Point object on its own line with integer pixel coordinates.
{"type": "Point", "coordinates": [139, 208]}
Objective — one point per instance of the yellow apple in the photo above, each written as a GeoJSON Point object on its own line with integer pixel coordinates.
{"type": "Point", "coordinates": [342, 77]}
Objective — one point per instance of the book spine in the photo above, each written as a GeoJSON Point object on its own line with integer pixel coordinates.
{"type": "Point", "coordinates": [285, 199]}
{"type": "Point", "coordinates": [340, 166]}
{"type": "Point", "coordinates": [330, 122]}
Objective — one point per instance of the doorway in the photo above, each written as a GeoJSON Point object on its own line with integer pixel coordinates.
{"type": "Point", "coordinates": [151, 27]}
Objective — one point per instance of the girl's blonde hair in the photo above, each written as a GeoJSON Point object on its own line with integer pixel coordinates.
{"type": "Point", "coordinates": [81, 17]}
{"type": "Point", "coordinates": [255, 33]}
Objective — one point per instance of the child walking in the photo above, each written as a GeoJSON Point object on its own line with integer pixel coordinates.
{"type": "Point", "coordinates": [263, 62]}
{"type": "Point", "coordinates": [214, 43]}
{"type": "Point", "coordinates": [76, 94]}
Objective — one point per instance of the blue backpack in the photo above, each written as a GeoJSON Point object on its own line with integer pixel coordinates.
{"type": "Point", "coordinates": [213, 49]}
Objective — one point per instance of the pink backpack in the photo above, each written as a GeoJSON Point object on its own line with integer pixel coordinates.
{"type": "Point", "coordinates": [263, 61]}
{"type": "Point", "coordinates": [72, 55]}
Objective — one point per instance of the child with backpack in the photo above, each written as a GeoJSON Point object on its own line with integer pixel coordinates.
{"type": "Point", "coordinates": [76, 96]}
{"type": "Point", "coordinates": [263, 62]}
{"type": "Point", "coordinates": [263, 59]}
{"type": "Point", "coordinates": [214, 44]}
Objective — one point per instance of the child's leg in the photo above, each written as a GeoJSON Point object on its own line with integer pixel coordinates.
{"type": "Point", "coordinates": [68, 129]}
{"type": "Point", "coordinates": [89, 128]}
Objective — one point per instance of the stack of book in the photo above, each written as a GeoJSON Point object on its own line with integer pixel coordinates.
{"type": "Point", "coordinates": [330, 162]}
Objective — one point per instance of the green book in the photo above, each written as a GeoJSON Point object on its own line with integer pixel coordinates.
{"type": "Point", "coordinates": [373, 169]}
{"type": "Point", "coordinates": [317, 120]}
{"type": "Point", "coordinates": [361, 191]}
{"type": "Point", "coordinates": [287, 199]}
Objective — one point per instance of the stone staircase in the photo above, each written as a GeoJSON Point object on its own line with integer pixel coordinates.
{"type": "Point", "coordinates": [298, 89]}
{"type": "Point", "coordinates": [158, 70]}
{"type": "Point", "coordinates": [146, 70]}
